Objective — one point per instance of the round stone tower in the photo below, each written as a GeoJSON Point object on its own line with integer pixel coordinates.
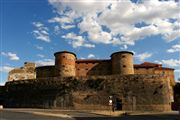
{"type": "Point", "coordinates": [65, 63]}
{"type": "Point", "coordinates": [122, 62]}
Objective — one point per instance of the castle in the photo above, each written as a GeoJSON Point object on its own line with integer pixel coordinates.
{"type": "Point", "coordinates": [87, 84]}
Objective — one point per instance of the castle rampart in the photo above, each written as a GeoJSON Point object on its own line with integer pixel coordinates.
{"type": "Point", "coordinates": [26, 72]}
{"type": "Point", "coordinates": [46, 71]}
{"type": "Point", "coordinates": [93, 67]}
{"type": "Point", "coordinates": [87, 84]}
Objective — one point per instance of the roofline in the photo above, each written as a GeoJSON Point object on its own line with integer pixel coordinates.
{"type": "Point", "coordinates": [164, 68]}
{"type": "Point", "coordinates": [64, 52]}
{"type": "Point", "coordinates": [143, 66]}
{"type": "Point", "coordinates": [93, 60]}
{"type": "Point", "coordinates": [120, 52]}
{"type": "Point", "coordinates": [41, 67]}
{"type": "Point", "coordinates": [177, 83]}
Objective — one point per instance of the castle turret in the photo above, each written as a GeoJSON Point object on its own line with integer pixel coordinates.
{"type": "Point", "coordinates": [65, 63]}
{"type": "Point", "coordinates": [122, 62]}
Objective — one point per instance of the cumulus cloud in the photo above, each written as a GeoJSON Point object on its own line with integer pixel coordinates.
{"type": "Point", "coordinates": [91, 56]}
{"type": "Point", "coordinates": [11, 56]}
{"type": "Point", "coordinates": [5, 69]}
{"type": "Point", "coordinates": [120, 18]}
{"type": "Point", "coordinates": [174, 48]}
{"type": "Point", "coordinates": [41, 32]}
{"type": "Point", "coordinates": [44, 62]}
{"type": "Point", "coordinates": [77, 41]}
{"type": "Point", "coordinates": [143, 56]}
{"type": "Point", "coordinates": [169, 62]}
{"type": "Point", "coordinates": [94, 30]}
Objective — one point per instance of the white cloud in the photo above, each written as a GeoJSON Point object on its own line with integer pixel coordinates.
{"type": "Point", "coordinates": [177, 71]}
{"type": "Point", "coordinates": [169, 62]}
{"type": "Point", "coordinates": [39, 47]}
{"type": "Point", "coordinates": [41, 32]}
{"type": "Point", "coordinates": [91, 56]}
{"type": "Point", "coordinates": [174, 48]}
{"type": "Point", "coordinates": [11, 56]}
{"type": "Point", "coordinates": [44, 62]}
{"type": "Point", "coordinates": [67, 26]}
{"type": "Point", "coordinates": [2, 83]}
{"type": "Point", "coordinates": [121, 18]}
{"type": "Point", "coordinates": [82, 58]}
{"type": "Point", "coordinates": [40, 55]}
{"type": "Point", "coordinates": [124, 47]}
{"type": "Point", "coordinates": [143, 56]}
{"type": "Point", "coordinates": [95, 32]}
{"type": "Point", "coordinates": [60, 20]}
{"type": "Point", "coordinates": [77, 41]}
{"type": "Point", "coordinates": [5, 69]}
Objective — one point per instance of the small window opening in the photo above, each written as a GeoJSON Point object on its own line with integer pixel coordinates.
{"type": "Point", "coordinates": [124, 66]}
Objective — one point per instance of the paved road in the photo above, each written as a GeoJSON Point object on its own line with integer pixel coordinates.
{"type": "Point", "coordinates": [13, 115]}
{"type": "Point", "coordinates": [137, 117]}
{"type": "Point", "coordinates": [76, 115]}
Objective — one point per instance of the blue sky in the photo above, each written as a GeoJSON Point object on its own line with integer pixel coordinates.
{"type": "Point", "coordinates": [34, 30]}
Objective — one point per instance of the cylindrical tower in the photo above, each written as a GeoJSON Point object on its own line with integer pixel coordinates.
{"type": "Point", "coordinates": [122, 62]}
{"type": "Point", "coordinates": [65, 63]}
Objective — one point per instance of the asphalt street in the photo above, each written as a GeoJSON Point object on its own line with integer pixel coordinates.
{"type": "Point", "coordinates": [13, 115]}
{"type": "Point", "coordinates": [77, 115]}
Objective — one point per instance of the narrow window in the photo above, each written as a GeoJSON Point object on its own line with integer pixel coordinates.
{"type": "Point", "coordinates": [123, 56]}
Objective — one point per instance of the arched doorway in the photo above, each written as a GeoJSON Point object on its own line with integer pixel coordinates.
{"type": "Point", "coordinates": [118, 103]}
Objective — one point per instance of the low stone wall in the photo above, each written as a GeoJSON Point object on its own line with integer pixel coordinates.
{"type": "Point", "coordinates": [134, 92]}
{"type": "Point", "coordinates": [137, 92]}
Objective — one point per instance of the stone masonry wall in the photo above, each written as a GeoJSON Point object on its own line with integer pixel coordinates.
{"type": "Point", "coordinates": [94, 67]}
{"type": "Point", "coordinates": [23, 73]}
{"type": "Point", "coordinates": [46, 72]}
{"type": "Point", "coordinates": [137, 92]}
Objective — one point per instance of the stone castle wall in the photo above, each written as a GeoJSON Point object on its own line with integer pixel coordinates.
{"type": "Point", "coordinates": [66, 64]}
{"type": "Point", "coordinates": [46, 72]}
{"type": "Point", "coordinates": [93, 67]}
{"type": "Point", "coordinates": [137, 92]}
{"type": "Point", "coordinates": [89, 83]}
{"type": "Point", "coordinates": [26, 72]}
